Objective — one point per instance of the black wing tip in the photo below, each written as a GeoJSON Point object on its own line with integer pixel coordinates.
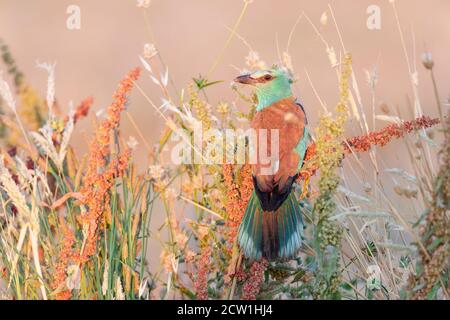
{"type": "Point", "coordinates": [272, 201]}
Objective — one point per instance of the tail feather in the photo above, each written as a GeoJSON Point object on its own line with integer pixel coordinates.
{"type": "Point", "coordinates": [271, 235]}
{"type": "Point", "coordinates": [250, 239]}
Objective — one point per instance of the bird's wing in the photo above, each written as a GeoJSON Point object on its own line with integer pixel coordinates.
{"type": "Point", "coordinates": [290, 120]}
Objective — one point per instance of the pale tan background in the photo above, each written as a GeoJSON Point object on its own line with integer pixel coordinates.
{"type": "Point", "coordinates": [190, 33]}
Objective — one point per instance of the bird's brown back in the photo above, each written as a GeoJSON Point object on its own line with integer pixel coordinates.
{"type": "Point", "coordinates": [289, 118]}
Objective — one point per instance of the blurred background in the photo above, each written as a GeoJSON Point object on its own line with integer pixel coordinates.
{"type": "Point", "coordinates": [190, 35]}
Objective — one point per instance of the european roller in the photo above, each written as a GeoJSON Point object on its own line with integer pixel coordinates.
{"type": "Point", "coordinates": [272, 227]}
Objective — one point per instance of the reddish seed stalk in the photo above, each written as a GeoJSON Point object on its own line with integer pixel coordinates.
{"type": "Point", "coordinates": [99, 179]}
{"type": "Point", "coordinates": [365, 142]}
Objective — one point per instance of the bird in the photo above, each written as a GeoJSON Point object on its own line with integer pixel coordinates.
{"type": "Point", "coordinates": [272, 227]}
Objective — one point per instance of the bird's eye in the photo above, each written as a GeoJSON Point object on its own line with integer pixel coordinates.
{"type": "Point", "coordinates": [267, 77]}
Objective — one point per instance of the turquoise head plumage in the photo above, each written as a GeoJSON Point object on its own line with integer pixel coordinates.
{"type": "Point", "coordinates": [271, 85]}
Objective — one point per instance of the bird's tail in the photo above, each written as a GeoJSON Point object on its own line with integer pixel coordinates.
{"type": "Point", "coordinates": [271, 235]}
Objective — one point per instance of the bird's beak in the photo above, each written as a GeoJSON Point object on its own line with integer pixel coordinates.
{"type": "Point", "coordinates": [245, 79]}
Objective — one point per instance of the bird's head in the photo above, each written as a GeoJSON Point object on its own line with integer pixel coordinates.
{"type": "Point", "coordinates": [271, 85]}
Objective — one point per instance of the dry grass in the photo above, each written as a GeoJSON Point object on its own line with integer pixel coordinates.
{"type": "Point", "coordinates": [78, 227]}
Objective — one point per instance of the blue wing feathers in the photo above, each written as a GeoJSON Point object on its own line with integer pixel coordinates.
{"type": "Point", "coordinates": [286, 236]}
